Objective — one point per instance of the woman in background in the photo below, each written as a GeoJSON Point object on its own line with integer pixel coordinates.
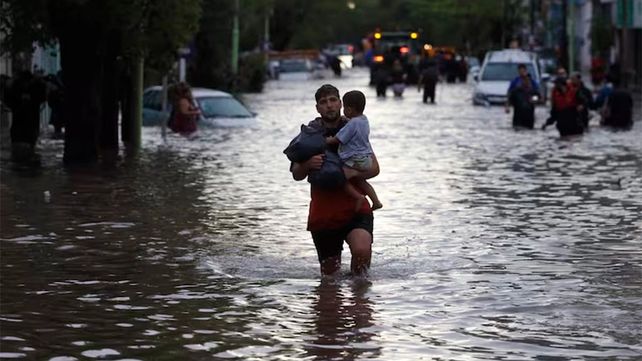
{"type": "Point", "coordinates": [184, 113]}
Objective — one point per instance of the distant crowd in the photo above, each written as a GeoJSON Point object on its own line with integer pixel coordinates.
{"type": "Point", "coordinates": [571, 102]}
{"type": "Point", "coordinates": [24, 96]}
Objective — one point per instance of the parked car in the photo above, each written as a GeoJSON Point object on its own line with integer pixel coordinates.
{"type": "Point", "coordinates": [301, 69]}
{"type": "Point", "coordinates": [497, 71]}
{"type": "Point", "coordinates": [473, 66]}
{"type": "Point", "coordinates": [218, 108]}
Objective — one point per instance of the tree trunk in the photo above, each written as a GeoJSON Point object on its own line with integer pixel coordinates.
{"type": "Point", "coordinates": [81, 63]}
{"type": "Point", "coordinates": [108, 130]}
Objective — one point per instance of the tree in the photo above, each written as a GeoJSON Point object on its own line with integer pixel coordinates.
{"type": "Point", "coordinates": [477, 25]}
{"type": "Point", "coordinates": [601, 36]}
{"type": "Point", "coordinates": [98, 39]}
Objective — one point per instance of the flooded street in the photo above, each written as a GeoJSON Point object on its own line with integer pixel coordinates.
{"type": "Point", "coordinates": [493, 244]}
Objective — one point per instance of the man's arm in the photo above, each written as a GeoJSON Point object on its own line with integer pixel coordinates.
{"type": "Point", "coordinates": [300, 170]}
{"type": "Point", "coordinates": [535, 86]}
{"type": "Point", "coordinates": [508, 95]}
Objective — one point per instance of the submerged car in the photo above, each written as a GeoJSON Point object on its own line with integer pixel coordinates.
{"type": "Point", "coordinates": [218, 108]}
{"type": "Point", "coordinates": [301, 69]}
{"type": "Point", "coordinates": [499, 69]}
{"type": "Point", "coordinates": [473, 66]}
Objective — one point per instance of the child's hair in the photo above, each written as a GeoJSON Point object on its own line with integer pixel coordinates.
{"type": "Point", "coordinates": [355, 100]}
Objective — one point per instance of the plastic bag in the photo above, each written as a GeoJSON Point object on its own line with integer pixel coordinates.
{"type": "Point", "coordinates": [308, 143]}
{"type": "Point", "coordinates": [330, 175]}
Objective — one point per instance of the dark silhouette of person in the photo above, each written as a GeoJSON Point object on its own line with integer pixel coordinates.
{"type": "Point", "coordinates": [523, 93]}
{"type": "Point", "coordinates": [26, 94]}
{"type": "Point", "coordinates": [452, 68]}
{"type": "Point", "coordinates": [5, 84]}
{"type": "Point", "coordinates": [428, 78]}
{"type": "Point", "coordinates": [398, 78]}
{"type": "Point", "coordinates": [55, 100]}
{"type": "Point", "coordinates": [381, 77]}
{"type": "Point", "coordinates": [185, 114]}
{"type": "Point", "coordinates": [335, 65]}
{"type": "Point", "coordinates": [618, 108]}
{"type": "Point", "coordinates": [585, 98]}
{"type": "Point", "coordinates": [565, 106]}
{"type": "Point", "coordinates": [462, 69]}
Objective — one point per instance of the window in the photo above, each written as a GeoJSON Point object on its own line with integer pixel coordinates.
{"type": "Point", "coordinates": [222, 107]}
{"type": "Point", "coordinates": [505, 71]}
{"type": "Point", "coordinates": [152, 100]}
{"type": "Point", "coordinates": [294, 65]}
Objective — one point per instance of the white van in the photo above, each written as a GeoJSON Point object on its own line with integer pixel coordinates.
{"type": "Point", "coordinates": [499, 69]}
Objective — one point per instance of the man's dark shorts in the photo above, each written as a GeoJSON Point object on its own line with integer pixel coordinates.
{"type": "Point", "coordinates": [330, 243]}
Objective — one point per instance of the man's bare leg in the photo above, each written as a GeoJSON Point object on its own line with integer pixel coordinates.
{"type": "Point", "coordinates": [360, 242]}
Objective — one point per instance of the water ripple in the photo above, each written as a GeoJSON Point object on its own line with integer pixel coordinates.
{"type": "Point", "coordinates": [494, 244]}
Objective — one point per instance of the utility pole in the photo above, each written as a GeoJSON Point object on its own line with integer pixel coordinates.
{"type": "Point", "coordinates": [266, 41]}
{"type": "Point", "coordinates": [164, 108]}
{"type": "Point", "coordinates": [235, 39]}
{"type": "Point", "coordinates": [571, 36]}
{"type": "Point", "coordinates": [563, 53]}
{"type": "Point", "coordinates": [183, 53]}
{"type": "Point", "coordinates": [266, 31]}
{"type": "Point", "coordinates": [134, 130]}
{"type": "Point", "coordinates": [532, 17]}
{"type": "Point", "coordinates": [503, 40]}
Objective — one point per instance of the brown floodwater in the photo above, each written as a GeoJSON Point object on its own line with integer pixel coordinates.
{"type": "Point", "coordinates": [493, 244]}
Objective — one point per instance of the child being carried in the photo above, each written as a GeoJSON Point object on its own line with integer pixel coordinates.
{"type": "Point", "coordinates": [354, 148]}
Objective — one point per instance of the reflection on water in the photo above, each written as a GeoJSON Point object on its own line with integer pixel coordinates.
{"type": "Point", "coordinates": [343, 324]}
{"type": "Point", "coordinates": [494, 244]}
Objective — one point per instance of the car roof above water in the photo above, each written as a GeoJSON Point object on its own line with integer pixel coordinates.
{"type": "Point", "coordinates": [510, 56]}
{"type": "Point", "coordinates": [197, 92]}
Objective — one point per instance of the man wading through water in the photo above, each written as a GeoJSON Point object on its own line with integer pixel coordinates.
{"type": "Point", "coordinates": [523, 93]}
{"type": "Point", "coordinates": [332, 217]}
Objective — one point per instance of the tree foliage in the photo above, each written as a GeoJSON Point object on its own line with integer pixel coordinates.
{"type": "Point", "coordinates": [152, 28]}
{"type": "Point", "coordinates": [601, 35]}
{"type": "Point", "coordinates": [465, 24]}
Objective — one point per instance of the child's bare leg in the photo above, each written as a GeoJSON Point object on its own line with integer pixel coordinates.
{"type": "Point", "coordinates": [363, 184]}
{"type": "Point", "coordinates": [351, 172]}
{"type": "Point", "coordinates": [354, 193]}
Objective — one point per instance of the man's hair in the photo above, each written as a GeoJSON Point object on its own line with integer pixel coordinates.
{"type": "Point", "coordinates": [355, 100]}
{"type": "Point", "coordinates": [325, 90]}
{"type": "Point", "coordinates": [521, 66]}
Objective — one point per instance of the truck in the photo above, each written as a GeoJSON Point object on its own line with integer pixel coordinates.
{"type": "Point", "coordinates": [388, 46]}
